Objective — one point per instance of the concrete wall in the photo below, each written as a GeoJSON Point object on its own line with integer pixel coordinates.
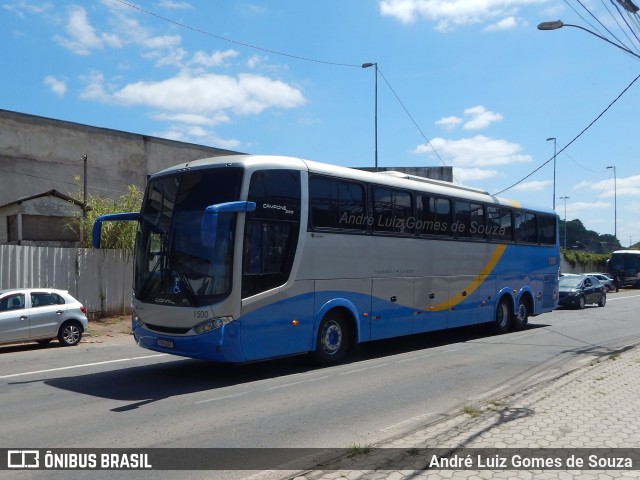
{"type": "Point", "coordinates": [566, 267]}
{"type": "Point", "coordinates": [100, 279]}
{"type": "Point", "coordinates": [38, 154]}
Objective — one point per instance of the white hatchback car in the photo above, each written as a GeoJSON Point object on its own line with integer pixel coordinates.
{"type": "Point", "coordinates": [40, 315]}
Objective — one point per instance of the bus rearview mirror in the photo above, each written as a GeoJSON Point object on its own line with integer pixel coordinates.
{"type": "Point", "coordinates": [209, 225]}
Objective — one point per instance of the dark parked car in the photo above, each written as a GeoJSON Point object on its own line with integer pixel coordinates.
{"type": "Point", "coordinates": [578, 290]}
{"type": "Point", "coordinates": [40, 315]}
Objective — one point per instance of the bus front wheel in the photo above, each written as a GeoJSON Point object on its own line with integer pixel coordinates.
{"type": "Point", "coordinates": [333, 339]}
{"type": "Point", "coordinates": [503, 317]}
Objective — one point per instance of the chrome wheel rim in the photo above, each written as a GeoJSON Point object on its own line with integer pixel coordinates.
{"type": "Point", "coordinates": [331, 338]}
{"type": "Point", "coordinates": [71, 334]}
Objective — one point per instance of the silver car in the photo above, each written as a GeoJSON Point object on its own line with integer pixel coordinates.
{"type": "Point", "coordinates": [606, 280]}
{"type": "Point", "coordinates": [40, 315]}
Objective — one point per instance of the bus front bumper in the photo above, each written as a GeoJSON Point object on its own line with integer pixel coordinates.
{"type": "Point", "coordinates": [221, 345]}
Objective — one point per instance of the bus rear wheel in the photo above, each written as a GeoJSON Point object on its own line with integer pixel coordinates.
{"type": "Point", "coordinates": [503, 317]}
{"type": "Point", "coordinates": [521, 318]}
{"type": "Point", "coordinates": [333, 339]}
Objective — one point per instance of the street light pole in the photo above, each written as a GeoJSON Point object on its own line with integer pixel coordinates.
{"type": "Point", "coordinates": [554, 170]}
{"type": "Point", "coordinates": [565, 220]}
{"type": "Point", "coordinates": [367, 65]}
{"type": "Point", "coordinates": [615, 203]}
{"type": "Point", "coordinates": [84, 198]}
{"type": "Point", "coordinates": [558, 24]}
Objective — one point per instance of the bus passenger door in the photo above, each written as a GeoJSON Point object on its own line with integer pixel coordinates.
{"type": "Point", "coordinates": [430, 299]}
{"type": "Point", "coordinates": [392, 307]}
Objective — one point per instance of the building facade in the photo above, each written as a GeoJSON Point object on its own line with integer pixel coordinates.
{"type": "Point", "coordinates": [39, 154]}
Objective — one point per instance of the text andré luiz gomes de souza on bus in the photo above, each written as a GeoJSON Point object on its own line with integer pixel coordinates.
{"type": "Point", "coordinates": [427, 226]}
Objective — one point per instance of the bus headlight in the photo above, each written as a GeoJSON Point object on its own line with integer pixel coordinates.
{"type": "Point", "coordinates": [138, 321]}
{"type": "Point", "coordinates": [212, 324]}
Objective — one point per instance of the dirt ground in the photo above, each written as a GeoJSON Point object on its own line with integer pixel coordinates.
{"type": "Point", "coordinates": [107, 328]}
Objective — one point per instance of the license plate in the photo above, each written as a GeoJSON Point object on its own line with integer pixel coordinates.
{"type": "Point", "coordinates": [163, 342]}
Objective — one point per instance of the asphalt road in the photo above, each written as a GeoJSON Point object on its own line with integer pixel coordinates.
{"type": "Point", "coordinates": [118, 395]}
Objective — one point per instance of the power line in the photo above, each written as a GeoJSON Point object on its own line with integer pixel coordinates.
{"type": "Point", "coordinates": [574, 138]}
{"type": "Point", "coordinates": [296, 57]}
{"type": "Point", "coordinates": [236, 42]}
{"type": "Point", "coordinates": [414, 122]}
{"type": "Point", "coordinates": [308, 59]}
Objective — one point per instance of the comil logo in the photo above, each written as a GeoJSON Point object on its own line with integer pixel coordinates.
{"type": "Point", "coordinates": [23, 459]}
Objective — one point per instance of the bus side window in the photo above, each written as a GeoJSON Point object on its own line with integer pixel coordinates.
{"type": "Point", "coordinates": [469, 221]}
{"type": "Point", "coordinates": [271, 231]}
{"type": "Point", "coordinates": [499, 223]}
{"type": "Point", "coordinates": [392, 211]}
{"type": "Point", "coordinates": [336, 204]}
{"type": "Point", "coordinates": [433, 216]}
{"type": "Point", "coordinates": [546, 229]}
{"type": "Point", "coordinates": [526, 227]}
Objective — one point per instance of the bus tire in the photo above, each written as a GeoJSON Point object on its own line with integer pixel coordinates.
{"type": "Point", "coordinates": [333, 339]}
{"type": "Point", "coordinates": [503, 317]}
{"type": "Point", "coordinates": [521, 317]}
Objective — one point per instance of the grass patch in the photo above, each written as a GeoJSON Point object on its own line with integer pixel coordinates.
{"type": "Point", "coordinates": [471, 410]}
{"type": "Point", "coordinates": [357, 450]}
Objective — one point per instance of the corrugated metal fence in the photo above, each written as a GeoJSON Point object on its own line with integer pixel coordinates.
{"type": "Point", "coordinates": [100, 279]}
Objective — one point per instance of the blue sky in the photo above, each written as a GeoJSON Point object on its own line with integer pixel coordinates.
{"type": "Point", "coordinates": [467, 83]}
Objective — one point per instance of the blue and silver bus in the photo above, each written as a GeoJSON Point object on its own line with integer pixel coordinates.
{"type": "Point", "coordinates": [243, 258]}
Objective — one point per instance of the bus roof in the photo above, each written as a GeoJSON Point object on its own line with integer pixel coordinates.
{"type": "Point", "coordinates": [388, 178]}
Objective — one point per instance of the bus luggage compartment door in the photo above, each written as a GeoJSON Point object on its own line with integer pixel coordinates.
{"type": "Point", "coordinates": [392, 307]}
{"type": "Point", "coordinates": [431, 295]}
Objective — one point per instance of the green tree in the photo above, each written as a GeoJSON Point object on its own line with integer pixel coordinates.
{"type": "Point", "coordinates": [118, 235]}
{"type": "Point", "coordinates": [579, 238]}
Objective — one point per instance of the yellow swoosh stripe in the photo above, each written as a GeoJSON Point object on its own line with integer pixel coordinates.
{"type": "Point", "coordinates": [473, 284]}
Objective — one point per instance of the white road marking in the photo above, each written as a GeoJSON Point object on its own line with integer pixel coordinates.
{"type": "Point", "coordinates": [72, 367]}
{"type": "Point", "coordinates": [224, 397]}
{"type": "Point", "coordinates": [298, 383]}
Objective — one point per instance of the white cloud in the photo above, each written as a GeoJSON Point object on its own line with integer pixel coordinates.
{"type": "Point", "coordinates": [59, 87]}
{"type": "Point", "coordinates": [254, 61]}
{"type": "Point", "coordinates": [449, 123]}
{"type": "Point", "coordinates": [623, 186]}
{"type": "Point", "coordinates": [465, 175]}
{"type": "Point", "coordinates": [94, 89]}
{"type": "Point", "coordinates": [173, 5]}
{"type": "Point", "coordinates": [214, 59]}
{"type": "Point", "coordinates": [476, 118]}
{"type": "Point", "coordinates": [582, 206]}
{"type": "Point", "coordinates": [478, 151]}
{"type": "Point", "coordinates": [198, 135]}
{"type": "Point", "coordinates": [82, 37]}
{"type": "Point", "coordinates": [20, 8]}
{"type": "Point", "coordinates": [450, 13]}
{"type": "Point", "coordinates": [508, 23]}
{"type": "Point", "coordinates": [533, 186]}
{"type": "Point", "coordinates": [480, 118]}
{"type": "Point", "coordinates": [206, 94]}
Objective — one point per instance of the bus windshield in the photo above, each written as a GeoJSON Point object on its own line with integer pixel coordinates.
{"type": "Point", "coordinates": [625, 265]}
{"type": "Point", "coordinates": [173, 266]}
